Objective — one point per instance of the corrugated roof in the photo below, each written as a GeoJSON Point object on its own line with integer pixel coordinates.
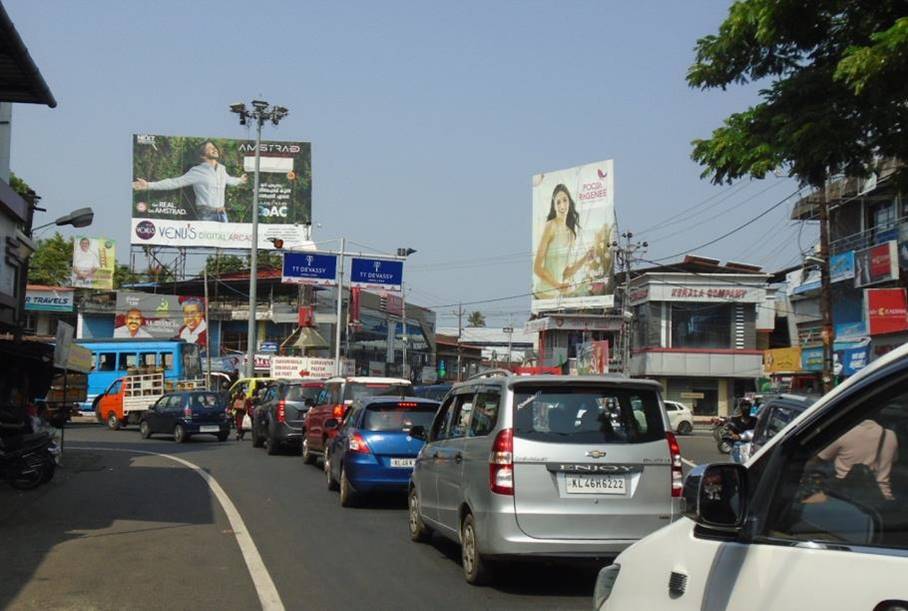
{"type": "Point", "coordinates": [20, 79]}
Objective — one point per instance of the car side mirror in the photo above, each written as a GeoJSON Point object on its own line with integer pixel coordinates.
{"type": "Point", "coordinates": [715, 496]}
{"type": "Point", "coordinates": [418, 432]}
{"type": "Point", "coordinates": [331, 424]}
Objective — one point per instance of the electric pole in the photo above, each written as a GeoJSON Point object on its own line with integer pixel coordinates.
{"type": "Point", "coordinates": [625, 254]}
{"type": "Point", "coordinates": [459, 333]}
{"type": "Point", "coordinates": [828, 333]}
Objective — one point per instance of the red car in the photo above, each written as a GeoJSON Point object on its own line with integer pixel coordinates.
{"type": "Point", "coordinates": [334, 401]}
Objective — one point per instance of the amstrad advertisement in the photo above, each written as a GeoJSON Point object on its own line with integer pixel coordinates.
{"type": "Point", "coordinates": [197, 191]}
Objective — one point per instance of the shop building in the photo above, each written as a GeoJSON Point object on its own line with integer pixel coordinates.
{"type": "Point", "coordinates": [699, 328]}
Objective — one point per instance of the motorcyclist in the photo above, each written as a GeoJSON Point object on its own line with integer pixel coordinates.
{"type": "Point", "coordinates": [743, 420]}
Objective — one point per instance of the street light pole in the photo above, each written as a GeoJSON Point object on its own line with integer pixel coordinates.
{"type": "Point", "coordinates": [261, 112]}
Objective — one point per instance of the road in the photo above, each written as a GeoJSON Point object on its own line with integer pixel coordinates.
{"type": "Point", "coordinates": [141, 531]}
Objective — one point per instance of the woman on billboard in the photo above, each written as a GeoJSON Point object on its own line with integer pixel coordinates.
{"type": "Point", "coordinates": [553, 267]}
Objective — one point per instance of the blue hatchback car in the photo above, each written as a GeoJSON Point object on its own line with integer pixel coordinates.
{"type": "Point", "coordinates": [373, 450]}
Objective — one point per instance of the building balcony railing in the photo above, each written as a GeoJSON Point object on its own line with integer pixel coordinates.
{"type": "Point", "coordinates": [869, 237]}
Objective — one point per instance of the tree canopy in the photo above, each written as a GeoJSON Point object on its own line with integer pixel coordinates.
{"type": "Point", "coordinates": [228, 264]}
{"type": "Point", "coordinates": [476, 319]}
{"type": "Point", "coordinates": [52, 262]}
{"type": "Point", "coordinates": [836, 95]}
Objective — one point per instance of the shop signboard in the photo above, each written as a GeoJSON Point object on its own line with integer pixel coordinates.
{"type": "Point", "coordinates": [851, 330]}
{"type": "Point", "coordinates": [886, 311]}
{"type": "Point", "coordinates": [573, 222]}
{"type": "Point", "coordinates": [94, 261]}
{"type": "Point", "coordinates": [196, 192]}
{"type": "Point", "coordinates": [852, 359]}
{"type": "Point", "coordinates": [841, 266]}
{"type": "Point", "coordinates": [376, 273]}
{"type": "Point", "coordinates": [782, 360]}
{"type": "Point", "coordinates": [876, 264]}
{"type": "Point", "coordinates": [48, 299]}
{"type": "Point", "coordinates": [150, 315]}
{"type": "Point", "coordinates": [312, 268]}
{"type": "Point", "coordinates": [298, 367]}
{"type": "Point", "coordinates": [812, 359]}
{"type": "Point", "coordinates": [79, 359]}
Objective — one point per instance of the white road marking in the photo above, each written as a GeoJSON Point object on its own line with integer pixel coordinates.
{"type": "Point", "coordinates": [688, 463]}
{"type": "Point", "coordinates": [261, 578]}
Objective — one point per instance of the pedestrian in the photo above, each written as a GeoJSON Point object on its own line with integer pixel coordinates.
{"type": "Point", "coordinates": [240, 407]}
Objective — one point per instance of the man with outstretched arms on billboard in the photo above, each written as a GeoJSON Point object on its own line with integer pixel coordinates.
{"type": "Point", "coordinates": [209, 181]}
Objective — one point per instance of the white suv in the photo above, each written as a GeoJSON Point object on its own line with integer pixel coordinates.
{"type": "Point", "coordinates": [817, 519]}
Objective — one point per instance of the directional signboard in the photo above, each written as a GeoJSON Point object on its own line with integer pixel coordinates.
{"type": "Point", "coordinates": [309, 268]}
{"type": "Point", "coordinates": [376, 273]}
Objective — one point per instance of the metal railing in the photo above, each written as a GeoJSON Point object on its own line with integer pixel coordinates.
{"type": "Point", "coordinates": [868, 237]}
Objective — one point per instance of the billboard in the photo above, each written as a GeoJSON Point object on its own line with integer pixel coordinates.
{"type": "Point", "coordinates": [195, 191]}
{"type": "Point", "coordinates": [311, 268]}
{"type": "Point", "coordinates": [48, 299]}
{"type": "Point", "coordinates": [376, 273]}
{"type": "Point", "coordinates": [94, 261]}
{"type": "Point", "coordinates": [886, 311]}
{"type": "Point", "coordinates": [573, 225]}
{"type": "Point", "coordinates": [782, 360]}
{"type": "Point", "coordinates": [876, 264]}
{"type": "Point", "coordinates": [151, 316]}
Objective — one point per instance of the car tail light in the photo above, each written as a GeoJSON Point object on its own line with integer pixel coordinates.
{"type": "Point", "coordinates": [282, 411]}
{"type": "Point", "coordinates": [501, 463]}
{"type": "Point", "coordinates": [338, 412]}
{"type": "Point", "coordinates": [407, 404]}
{"type": "Point", "coordinates": [677, 470]}
{"type": "Point", "coordinates": [187, 413]}
{"type": "Point", "coordinates": [358, 444]}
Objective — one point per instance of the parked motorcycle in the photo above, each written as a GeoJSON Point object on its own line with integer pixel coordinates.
{"type": "Point", "coordinates": [25, 460]}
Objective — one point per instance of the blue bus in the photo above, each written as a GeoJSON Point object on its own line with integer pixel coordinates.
{"type": "Point", "coordinates": [110, 359]}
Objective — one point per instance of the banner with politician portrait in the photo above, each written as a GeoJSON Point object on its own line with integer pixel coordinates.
{"type": "Point", "coordinates": [94, 262]}
{"type": "Point", "coordinates": [151, 316]}
{"type": "Point", "coordinates": [573, 226]}
{"type": "Point", "coordinates": [198, 191]}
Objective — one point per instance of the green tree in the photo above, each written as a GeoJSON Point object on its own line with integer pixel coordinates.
{"type": "Point", "coordinates": [51, 263]}
{"type": "Point", "coordinates": [229, 264]}
{"type": "Point", "coordinates": [476, 319]}
{"type": "Point", "coordinates": [837, 96]}
{"type": "Point", "coordinates": [124, 275]}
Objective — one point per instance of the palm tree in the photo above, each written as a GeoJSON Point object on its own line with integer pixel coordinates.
{"type": "Point", "coordinates": [476, 319]}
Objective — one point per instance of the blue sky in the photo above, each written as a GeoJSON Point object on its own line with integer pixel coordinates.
{"type": "Point", "coordinates": [427, 120]}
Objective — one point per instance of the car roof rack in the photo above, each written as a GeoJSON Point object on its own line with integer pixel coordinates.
{"type": "Point", "coordinates": [490, 373]}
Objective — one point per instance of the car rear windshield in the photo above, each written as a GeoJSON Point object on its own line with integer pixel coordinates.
{"type": "Point", "coordinates": [398, 417]}
{"type": "Point", "coordinates": [206, 400]}
{"type": "Point", "coordinates": [358, 390]}
{"type": "Point", "coordinates": [587, 414]}
{"type": "Point", "coordinates": [301, 393]}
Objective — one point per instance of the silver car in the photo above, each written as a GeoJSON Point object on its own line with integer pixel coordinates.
{"type": "Point", "coordinates": [545, 466]}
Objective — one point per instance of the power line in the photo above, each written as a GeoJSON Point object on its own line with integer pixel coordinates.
{"type": "Point", "coordinates": [736, 188]}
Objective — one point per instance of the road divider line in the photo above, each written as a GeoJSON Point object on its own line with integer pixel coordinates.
{"type": "Point", "coordinates": [261, 578]}
{"type": "Point", "coordinates": [688, 463]}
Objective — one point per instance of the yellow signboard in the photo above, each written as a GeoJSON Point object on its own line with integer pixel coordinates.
{"type": "Point", "coordinates": [782, 360]}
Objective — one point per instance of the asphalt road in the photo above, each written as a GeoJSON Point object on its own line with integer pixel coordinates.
{"type": "Point", "coordinates": [143, 532]}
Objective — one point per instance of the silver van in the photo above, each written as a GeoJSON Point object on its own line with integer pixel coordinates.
{"type": "Point", "coordinates": [545, 466]}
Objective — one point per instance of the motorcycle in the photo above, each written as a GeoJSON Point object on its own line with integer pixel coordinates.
{"type": "Point", "coordinates": [718, 423]}
{"type": "Point", "coordinates": [25, 460]}
{"type": "Point", "coordinates": [740, 451]}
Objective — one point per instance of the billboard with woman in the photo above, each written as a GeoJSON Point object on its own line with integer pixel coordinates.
{"type": "Point", "coordinates": [573, 225]}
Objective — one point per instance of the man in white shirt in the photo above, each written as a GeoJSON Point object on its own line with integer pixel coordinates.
{"type": "Point", "coordinates": [194, 329]}
{"type": "Point", "coordinates": [209, 181]}
{"type": "Point", "coordinates": [133, 327]}
{"type": "Point", "coordinates": [86, 261]}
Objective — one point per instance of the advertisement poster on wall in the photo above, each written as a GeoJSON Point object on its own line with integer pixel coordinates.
{"type": "Point", "coordinates": [573, 225]}
{"type": "Point", "coordinates": [197, 191]}
{"type": "Point", "coordinates": [94, 261]}
{"type": "Point", "coordinates": [150, 316]}
{"type": "Point", "coordinates": [876, 264]}
{"type": "Point", "coordinates": [886, 311]}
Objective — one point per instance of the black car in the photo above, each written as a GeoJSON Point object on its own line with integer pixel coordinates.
{"type": "Point", "coordinates": [278, 418]}
{"type": "Point", "coordinates": [775, 415]}
{"type": "Point", "coordinates": [183, 414]}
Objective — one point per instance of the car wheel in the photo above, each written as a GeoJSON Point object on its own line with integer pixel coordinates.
{"type": "Point", "coordinates": [113, 423]}
{"type": "Point", "coordinates": [476, 569]}
{"type": "Point", "coordinates": [347, 495]}
{"type": "Point", "coordinates": [144, 429]}
{"type": "Point", "coordinates": [419, 532]}
{"type": "Point", "coordinates": [179, 434]}
{"type": "Point", "coordinates": [308, 457]}
{"type": "Point", "coordinates": [685, 428]}
{"type": "Point", "coordinates": [271, 445]}
{"type": "Point", "coordinates": [332, 483]}
{"type": "Point", "coordinates": [223, 436]}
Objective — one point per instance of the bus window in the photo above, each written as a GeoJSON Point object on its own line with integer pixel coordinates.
{"type": "Point", "coordinates": [167, 360]}
{"type": "Point", "coordinates": [148, 359]}
{"type": "Point", "coordinates": [107, 361]}
{"type": "Point", "coordinates": [128, 360]}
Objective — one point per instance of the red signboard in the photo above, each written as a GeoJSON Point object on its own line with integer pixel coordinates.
{"type": "Point", "coordinates": [876, 264]}
{"type": "Point", "coordinates": [887, 310]}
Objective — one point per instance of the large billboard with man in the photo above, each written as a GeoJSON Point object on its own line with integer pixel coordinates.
{"type": "Point", "coordinates": [94, 262]}
{"type": "Point", "coordinates": [196, 191]}
{"type": "Point", "coordinates": [146, 315]}
{"type": "Point", "coordinates": [573, 226]}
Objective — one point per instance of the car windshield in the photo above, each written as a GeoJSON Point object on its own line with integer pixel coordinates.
{"type": "Point", "coordinates": [358, 390]}
{"type": "Point", "coordinates": [206, 400]}
{"type": "Point", "coordinates": [298, 392]}
{"type": "Point", "coordinates": [398, 417]}
{"type": "Point", "coordinates": [587, 414]}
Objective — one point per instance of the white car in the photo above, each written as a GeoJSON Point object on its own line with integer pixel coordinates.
{"type": "Point", "coordinates": [680, 417]}
{"type": "Point", "coordinates": [817, 518]}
